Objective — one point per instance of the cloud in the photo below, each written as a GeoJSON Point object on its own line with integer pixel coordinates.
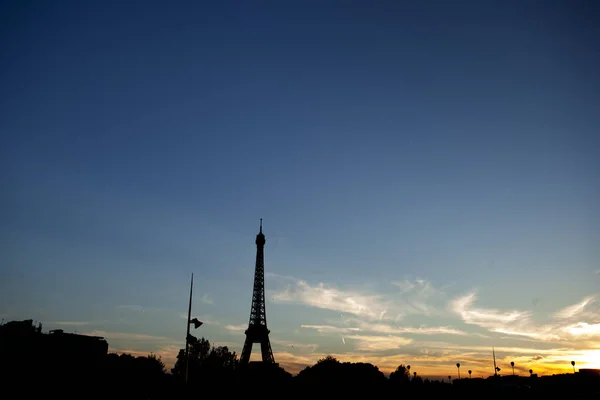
{"type": "Point", "coordinates": [331, 298]}
{"type": "Point", "coordinates": [370, 329]}
{"type": "Point", "coordinates": [485, 317]}
{"type": "Point", "coordinates": [206, 299]}
{"type": "Point", "coordinates": [418, 287]}
{"type": "Point", "coordinates": [131, 337]}
{"type": "Point", "coordinates": [520, 323]}
{"type": "Point", "coordinates": [512, 322]}
{"type": "Point", "coordinates": [73, 323]}
{"type": "Point", "coordinates": [386, 329]}
{"type": "Point", "coordinates": [575, 309]}
{"type": "Point", "coordinates": [416, 296]}
{"type": "Point", "coordinates": [378, 343]}
{"type": "Point", "coordinates": [329, 328]}
{"type": "Point", "coordinates": [236, 328]}
{"type": "Point", "coordinates": [399, 330]}
{"type": "Point", "coordinates": [435, 330]}
{"type": "Point", "coordinates": [413, 298]}
{"type": "Point", "coordinates": [583, 329]}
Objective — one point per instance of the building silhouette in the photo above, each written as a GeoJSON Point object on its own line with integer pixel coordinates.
{"type": "Point", "coordinates": [56, 357]}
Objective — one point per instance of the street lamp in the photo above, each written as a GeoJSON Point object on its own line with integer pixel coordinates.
{"type": "Point", "coordinates": [190, 321]}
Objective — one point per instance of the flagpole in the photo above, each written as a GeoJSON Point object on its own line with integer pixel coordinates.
{"type": "Point", "coordinates": [187, 344]}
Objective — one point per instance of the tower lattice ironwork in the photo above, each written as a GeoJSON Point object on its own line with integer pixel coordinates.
{"type": "Point", "coordinates": [257, 331]}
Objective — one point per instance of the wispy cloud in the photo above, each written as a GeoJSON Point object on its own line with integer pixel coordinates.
{"type": "Point", "coordinates": [73, 323]}
{"type": "Point", "coordinates": [370, 328]}
{"type": "Point", "coordinates": [335, 299]}
{"type": "Point", "coordinates": [485, 317]}
{"type": "Point", "coordinates": [386, 329]}
{"type": "Point", "coordinates": [128, 336]}
{"type": "Point", "coordinates": [421, 330]}
{"type": "Point", "coordinates": [378, 343]}
{"type": "Point", "coordinates": [575, 309]}
{"type": "Point", "coordinates": [414, 297]}
{"type": "Point", "coordinates": [330, 329]}
{"type": "Point", "coordinates": [520, 323]}
{"type": "Point", "coordinates": [583, 329]}
{"type": "Point", "coordinates": [418, 287]}
{"type": "Point", "coordinates": [206, 299]}
{"type": "Point", "coordinates": [236, 328]}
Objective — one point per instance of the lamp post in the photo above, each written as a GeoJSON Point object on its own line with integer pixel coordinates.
{"type": "Point", "coordinates": [190, 321]}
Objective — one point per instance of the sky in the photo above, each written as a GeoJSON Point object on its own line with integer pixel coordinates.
{"type": "Point", "coordinates": [427, 174]}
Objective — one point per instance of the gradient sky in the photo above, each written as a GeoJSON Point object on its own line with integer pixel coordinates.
{"type": "Point", "coordinates": [427, 172]}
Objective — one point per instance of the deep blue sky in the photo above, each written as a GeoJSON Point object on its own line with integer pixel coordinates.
{"type": "Point", "coordinates": [453, 143]}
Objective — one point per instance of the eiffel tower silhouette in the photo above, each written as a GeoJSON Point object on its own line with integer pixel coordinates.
{"type": "Point", "coordinates": [257, 331]}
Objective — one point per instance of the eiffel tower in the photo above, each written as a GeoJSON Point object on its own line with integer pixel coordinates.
{"type": "Point", "coordinates": [257, 331]}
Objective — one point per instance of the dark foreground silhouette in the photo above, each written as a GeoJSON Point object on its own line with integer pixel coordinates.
{"type": "Point", "coordinates": [77, 366]}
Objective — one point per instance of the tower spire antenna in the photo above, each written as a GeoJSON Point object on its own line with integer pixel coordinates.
{"type": "Point", "coordinates": [261, 225]}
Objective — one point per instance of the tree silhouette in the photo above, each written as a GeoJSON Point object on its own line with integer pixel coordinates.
{"type": "Point", "coordinates": [573, 365]}
{"type": "Point", "coordinates": [449, 379]}
{"type": "Point", "coordinates": [530, 372]}
{"type": "Point", "coordinates": [458, 368]}
{"type": "Point", "coordinates": [221, 358]}
{"type": "Point", "coordinates": [198, 352]}
{"type": "Point", "coordinates": [417, 380]}
{"type": "Point", "coordinates": [512, 364]}
{"type": "Point", "coordinates": [327, 360]}
{"type": "Point", "coordinates": [214, 363]}
{"type": "Point", "coordinates": [153, 363]}
{"type": "Point", "coordinates": [332, 373]}
{"type": "Point", "coordinates": [469, 371]}
{"type": "Point", "coordinates": [401, 375]}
